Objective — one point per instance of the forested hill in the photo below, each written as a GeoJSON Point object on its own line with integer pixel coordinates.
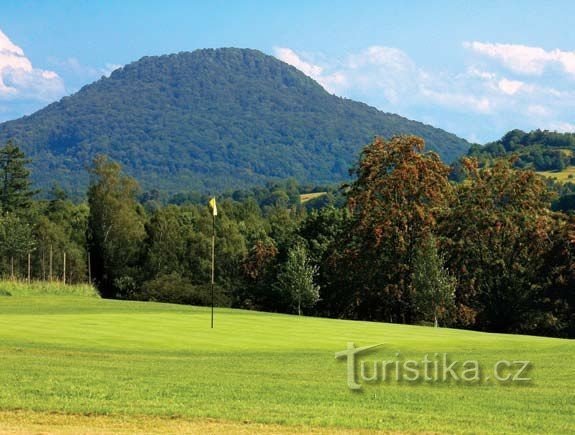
{"type": "Point", "coordinates": [209, 120]}
{"type": "Point", "coordinates": [540, 149]}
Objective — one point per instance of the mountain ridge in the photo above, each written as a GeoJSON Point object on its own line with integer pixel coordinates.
{"type": "Point", "coordinates": [208, 120]}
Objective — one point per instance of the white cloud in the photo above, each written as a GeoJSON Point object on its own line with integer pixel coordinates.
{"type": "Point", "coordinates": [480, 102]}
{"type": "Point", "coordinates": [73, 67]}
{"type": "Point", "coordinates": [109, 68]}
{"type": "Point", "coordinates": [381, 56]}
{"type": "Point", "coordinates": [459, 100]}
{"type": "Point", "coordinates": [537, 110]}
{"type": "Point", "coordinates": [289, 56]}
{"type": "Point", "coordinates": [20, 80]}
{"type": "Point", "coordinates": [510, 87]}
{"type": "Point", "coordinates": [475, 72]}
{"type": "Point", "coordinates": [524, 59]}
{"type": "Point", "coordinates": [330, 82]}
{"type": "Point", "coordinates": [563, 127]}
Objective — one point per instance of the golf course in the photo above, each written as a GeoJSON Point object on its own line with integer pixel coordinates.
{"type": "Point", "coordinates": [70, 363]}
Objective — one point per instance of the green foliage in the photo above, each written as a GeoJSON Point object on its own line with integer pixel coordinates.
{"type": "Point", "coordinates": [115, 227]}
{"type": "Point", "coordinates": [296, 280]}
{"type": "Point", "coordinates": [176, 289]}
{"type": "Point", "coordinates": [60, 227]}
{"type": "Point", "coordinates": [565, 203]}
{"type": "Point", "coordinates": [433, 285]}
{"type": "Point", "coordinates": [396, 200]}
{"type": "Point", "coordinates": [497, 236]}
{"type": "Point", "coordinates": [540, 150]}
{"type": "Point", "coordinates": [16, 237]}
{"type": "Point", "coordinates": [15, 192]}
{"type": "Point", "coordinates": [210, 120]}
{"type": "Point", "coordinates": [45, 288]}
{"type": "Point", "coordinates": [376, 259]}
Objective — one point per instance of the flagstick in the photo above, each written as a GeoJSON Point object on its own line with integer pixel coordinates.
{"type": "Point", "coordinates": [213, 261]}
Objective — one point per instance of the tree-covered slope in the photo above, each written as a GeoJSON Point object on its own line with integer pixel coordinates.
{"type": "Point", "coordinates": [208, 120]}
{"type": "Point", "coordinates": [540, 149]}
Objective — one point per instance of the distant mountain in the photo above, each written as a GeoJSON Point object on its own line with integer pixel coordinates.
{"type": "Point", "coordinates": [540, 149]}
{"type": "Point", "coordinates": [209, 120]}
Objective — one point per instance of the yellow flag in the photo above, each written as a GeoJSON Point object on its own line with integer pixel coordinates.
{"type": "Point", "coordinates": [213, 206]}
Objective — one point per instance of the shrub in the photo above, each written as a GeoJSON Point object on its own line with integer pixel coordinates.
{"type": "Point", "coordinates": [173, 288]}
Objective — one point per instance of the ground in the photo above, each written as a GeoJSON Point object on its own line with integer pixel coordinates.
{"type": "Point", "coordinates": [79, 362]}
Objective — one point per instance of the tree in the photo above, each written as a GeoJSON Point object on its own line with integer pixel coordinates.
{"type": "Point", "coordinates": [16, 239]}
{"type": "Point", "coordinates": [168, 233]}
{"type": "Point", "coordinates": [434, 286]}
{"type": "Point", "coordinates": [115, 228]}
{"type": "Point", "coordinates": [324, 231]}
{"type": "Point", "coordinates": [15, 192]}
{"type": "Point", "coordinates": [295, 280]}
{"type": "Point", "coordinates": [496, 237]}
{"type": "Point", "coordinates": [59, 228]}
{"type": "Point", "coordinates": [259, 269]}
{"type": "Point", "coordinates": [398, 196]}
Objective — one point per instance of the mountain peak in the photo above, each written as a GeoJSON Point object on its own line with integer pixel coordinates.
{"type": "Point", "coordinates": [210, 119]}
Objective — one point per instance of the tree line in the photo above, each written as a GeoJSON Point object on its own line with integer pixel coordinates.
{"type": "Point", "coordinates": [400, 243]}
{"type": "Point", "coordinates": [541, 150]}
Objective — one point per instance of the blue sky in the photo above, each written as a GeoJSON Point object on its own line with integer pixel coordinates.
{"type": "Point", "coordinates": [475, 68]}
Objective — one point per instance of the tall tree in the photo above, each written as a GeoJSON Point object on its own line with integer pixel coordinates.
{"type": "Point", "coordinates": [497, 237]}
{"type": "Point", "coordinates": [295, 280]}
{"type": "Point", "coordinates": [15, 191]}
{"type": "Point", "coordinates": [16, 239]}
{"type": "Point", "coordinates": [397, 198]}
{"type": "Point", "coordinates": [434, 286]}
{"type": "Point", "coordinates": [115, 228]}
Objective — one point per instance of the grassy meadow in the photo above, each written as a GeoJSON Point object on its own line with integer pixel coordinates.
{"type": "Point", "coordinates": [567, 174]}
{"type": "Point", "coordinates": [305, 197]}
{"type": "Point", "coordinates": [72, 363]}
{"type": "Point", "coordinates": [45, 288]}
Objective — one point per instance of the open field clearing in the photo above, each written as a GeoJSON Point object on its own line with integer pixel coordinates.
{"type": "Point", "coordinates": [305, 197]}
{"type": "Point", "coordinates": [567, 174]}
{"type": "Point", "coordinates": [69, 362]}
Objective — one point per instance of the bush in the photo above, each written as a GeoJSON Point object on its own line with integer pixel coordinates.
{"type": "Point", "coordinates": [45, 288]}
{"type": "Point", "coordinates": [175, 289]}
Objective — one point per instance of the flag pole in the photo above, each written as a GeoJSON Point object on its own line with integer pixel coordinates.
{"type": "Point", "coordinates": [213, 261]}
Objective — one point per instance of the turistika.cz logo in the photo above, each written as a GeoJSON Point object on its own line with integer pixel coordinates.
{"type": "Point", "coordinates": [431, 368]}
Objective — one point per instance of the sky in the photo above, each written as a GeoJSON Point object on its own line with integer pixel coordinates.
{"type": "Point", "coordinates": [474, 68]}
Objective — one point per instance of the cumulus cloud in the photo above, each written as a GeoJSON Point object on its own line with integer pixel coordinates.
{"type": "Point", "coordinates": [563, 127]}
{"type": "Point", "coordinates": [330, 82]}
{"type": "Point", "coordinates": [291, 57]}
{"type": "Point", "coordinates": [20, 80]}
{"type": "Point", "coordinates": [510, 87]}
{"type": "Point", "coordinates": [77, 71]}
{"type": "Point", "coordinates": [524, 59]}
{"type": "Point", "coordinates": [479, 102]}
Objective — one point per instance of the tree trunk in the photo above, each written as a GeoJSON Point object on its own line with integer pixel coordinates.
{"type": "Point", "coordinates": [50, 265]}
{"type": "Point", "coordinates": [89, 269]}
{"type": "Point", "coordinates": [64, 270]}
{"type": "Point", "coordinates": [43, 264]}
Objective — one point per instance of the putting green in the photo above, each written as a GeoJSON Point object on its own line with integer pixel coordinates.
{"type": "Point", "coordinates": [115, 360]}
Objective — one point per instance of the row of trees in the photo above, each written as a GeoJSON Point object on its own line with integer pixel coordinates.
{"type": "Point", "coordinates": [540, 150]}
{"type": "Point", "coordinates": [38, 239]}
{"type": "Point", "coordinates": [408, 246]}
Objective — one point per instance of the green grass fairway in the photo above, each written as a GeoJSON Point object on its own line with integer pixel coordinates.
{"type": "Point", "coordinates": [101, 364]}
